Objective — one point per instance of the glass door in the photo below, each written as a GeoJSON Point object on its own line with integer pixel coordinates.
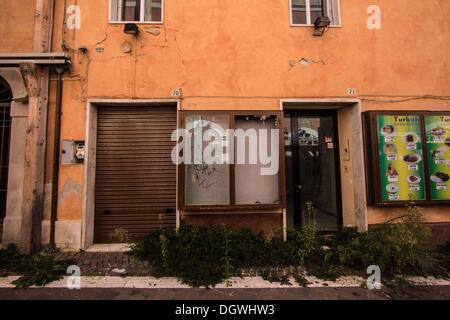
{"type": "Point", "coordinates": [313, 194]}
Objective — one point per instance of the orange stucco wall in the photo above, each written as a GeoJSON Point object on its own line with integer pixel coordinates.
{"type": "Point", "coordinates": [212, 48]}
{"type": "Point", "coordinates": [16, 25]}
{"type": "Point", "coordinates": [245, 55]}
{"type": "Point", "coordinates": [241, 55]}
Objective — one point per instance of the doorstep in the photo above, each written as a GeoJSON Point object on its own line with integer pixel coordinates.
{"type": "Point", "coordinates": [111, 247]}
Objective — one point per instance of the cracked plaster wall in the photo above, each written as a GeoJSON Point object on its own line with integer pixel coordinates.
{"type": "Point", "coordinates": [243, 55]}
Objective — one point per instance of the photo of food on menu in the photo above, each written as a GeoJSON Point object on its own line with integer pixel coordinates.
{"type": "Point", "coordinates": [438, 151]}
{"type": "Point", "coordinates": [401, 159]}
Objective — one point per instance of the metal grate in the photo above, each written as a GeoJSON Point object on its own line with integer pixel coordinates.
{"type": "Point", "coordinates": [5, 132]}
{"type": "Point", "coordinates": [5, 92]}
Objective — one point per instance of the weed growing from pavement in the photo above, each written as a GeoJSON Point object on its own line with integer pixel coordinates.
{"type": "Point", "coordinates": [120, 235]}
{"type": "Point", "coordinates": [164, 251]}
{"type": "Point", "coordinates": [445, 251]}
{"type": "Point", "coordinates": [226, 259]}
{"type": "Point", "coordinates": [206, 256]}
{"type": "Point", "coordinates": [34, 270]}
{"type": "Point", "coordinates": [397, 246]}
{"type": "Point", "coordinates": [210, 255]}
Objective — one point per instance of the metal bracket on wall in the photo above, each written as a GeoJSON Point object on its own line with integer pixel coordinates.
{"type": "Point", "coordinates": [73, 152]}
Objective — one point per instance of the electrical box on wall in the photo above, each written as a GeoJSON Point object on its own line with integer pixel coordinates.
{"type": "Point", "coordinates": [73, 152]}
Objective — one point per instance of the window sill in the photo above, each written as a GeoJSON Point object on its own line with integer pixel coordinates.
{"type": "Point", "coordinates": [231, 209]}
{"type": "Point", "coordinates": [137, 22]}
{"type": "Point", "coordinates": [312, 26]}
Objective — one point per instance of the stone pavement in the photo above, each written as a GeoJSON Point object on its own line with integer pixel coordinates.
{"type": "Point", "coordinates": [122, 264]}
{"type": "Point", "coordinates": [192, 294]}
{"type": "Point", "coordinates": [107, 263]}
{"type": "Point", "coordinates": [429, 292]}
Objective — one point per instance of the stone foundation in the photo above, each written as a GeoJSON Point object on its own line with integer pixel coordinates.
{"type": "Point", "coordinates": [270, 224]}
{"type": "Point", "coordinates": [68, 235]}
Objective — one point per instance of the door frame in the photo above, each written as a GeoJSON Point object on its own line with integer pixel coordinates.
{"type": "Point", "coordinates": [358, 213]}
{"type": "Point", "coordinates": [297, 113]}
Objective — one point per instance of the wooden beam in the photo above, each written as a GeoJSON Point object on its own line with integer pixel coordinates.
{"type": "Point", "coordinates": [33, 186]}
{"type": "Point", "coordinates": [37, 83]}
{"type": "Point", "coordinates": [43, 25]}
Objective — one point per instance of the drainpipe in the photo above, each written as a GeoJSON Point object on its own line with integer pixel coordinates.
{"type": "Point", "coordinates": [64, 25]}
{"type": "Point", "coordinates": [56, 153]}
{"type": "Point", "coordinates": [57, 136]}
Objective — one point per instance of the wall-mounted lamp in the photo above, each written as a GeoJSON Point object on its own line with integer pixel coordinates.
{"type": "Point", "coordinates": [131, 28]}
{"type": "Point", "coordinates": [320, 24]}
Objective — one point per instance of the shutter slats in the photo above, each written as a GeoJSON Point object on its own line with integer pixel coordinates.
{"type": "Point", "coordinates": [135, 177]}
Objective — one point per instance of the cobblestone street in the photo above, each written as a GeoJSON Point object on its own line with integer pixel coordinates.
{"type": "Point", "coordinates": [107, 263]}
{"type": "Point", "coordinates": [123, 264]}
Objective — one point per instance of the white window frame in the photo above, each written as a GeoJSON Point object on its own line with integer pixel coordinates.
{"type": "Point", "coordinates": [142, 14]}
{"type": "Point", "coordinates": [310, 23]}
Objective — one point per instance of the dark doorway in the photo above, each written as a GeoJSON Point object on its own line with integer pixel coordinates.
{"type": "Point", "coordinates": [5, 133]}
{"type": "Point", "coordinates": [313, 195]}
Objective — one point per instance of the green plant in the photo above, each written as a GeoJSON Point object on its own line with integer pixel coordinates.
{"type": "Point", "coordinates": [300, 279]}
{"type": "Point", "coordinates": [37, 270]}
{"type": "Point", "coordinates": [395, 246]}
{"type": "Point", "coordinates": [305, 242]}
{"type": "Point", "coordinates": [10, 258]}
{"type": "Point", "coordinates": [310, 216]}
{"type": "Point", "coordinates": [444, 261]}
{"type": "Point", "coordinates": [194, 254]}
{"type": "Point", "coordinates": [164, 251]}
{"type": "Point", "coordinates": [205, 256]}
{"type": "Point", "coordinates": [226, 259]}
{"type": "Point", "coordinates": [40, 270]}
{"type": "Point", "coordinates": [120, 235]}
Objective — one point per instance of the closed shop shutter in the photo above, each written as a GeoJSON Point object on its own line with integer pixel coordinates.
{"type": "Point", "coordinates": [135, 186]}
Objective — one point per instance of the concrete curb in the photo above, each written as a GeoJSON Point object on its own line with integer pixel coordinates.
{"type": "Point", "coordinates": [233, 283]}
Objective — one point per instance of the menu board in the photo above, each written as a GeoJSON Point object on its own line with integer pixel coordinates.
{"type": "Point", "coordinates": [401, 159]}
{"type": "Point", "coordinates": [438, 150]}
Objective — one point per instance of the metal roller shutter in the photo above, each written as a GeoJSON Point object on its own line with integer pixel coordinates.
{"type": "Point", "coordinates": [135, 186]}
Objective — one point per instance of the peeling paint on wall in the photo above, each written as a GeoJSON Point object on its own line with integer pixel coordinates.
{"type": "Point", "coordinates": [305, 62]}
{"type": "Point", "coordinates": [70, 188]}
{"type": "Point", "coordinates": [153, 31]}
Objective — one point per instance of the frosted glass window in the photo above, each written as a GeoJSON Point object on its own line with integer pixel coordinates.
{"type": "Point", "coordinates": [251, 187]}
{"type": "Point", "coordinates": [206, 184]}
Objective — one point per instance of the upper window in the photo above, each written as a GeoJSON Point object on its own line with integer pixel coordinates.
{"type": "Point", "coordinates": [136, 11]}
{"type": "Point", "coordinates": [305, 12]}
